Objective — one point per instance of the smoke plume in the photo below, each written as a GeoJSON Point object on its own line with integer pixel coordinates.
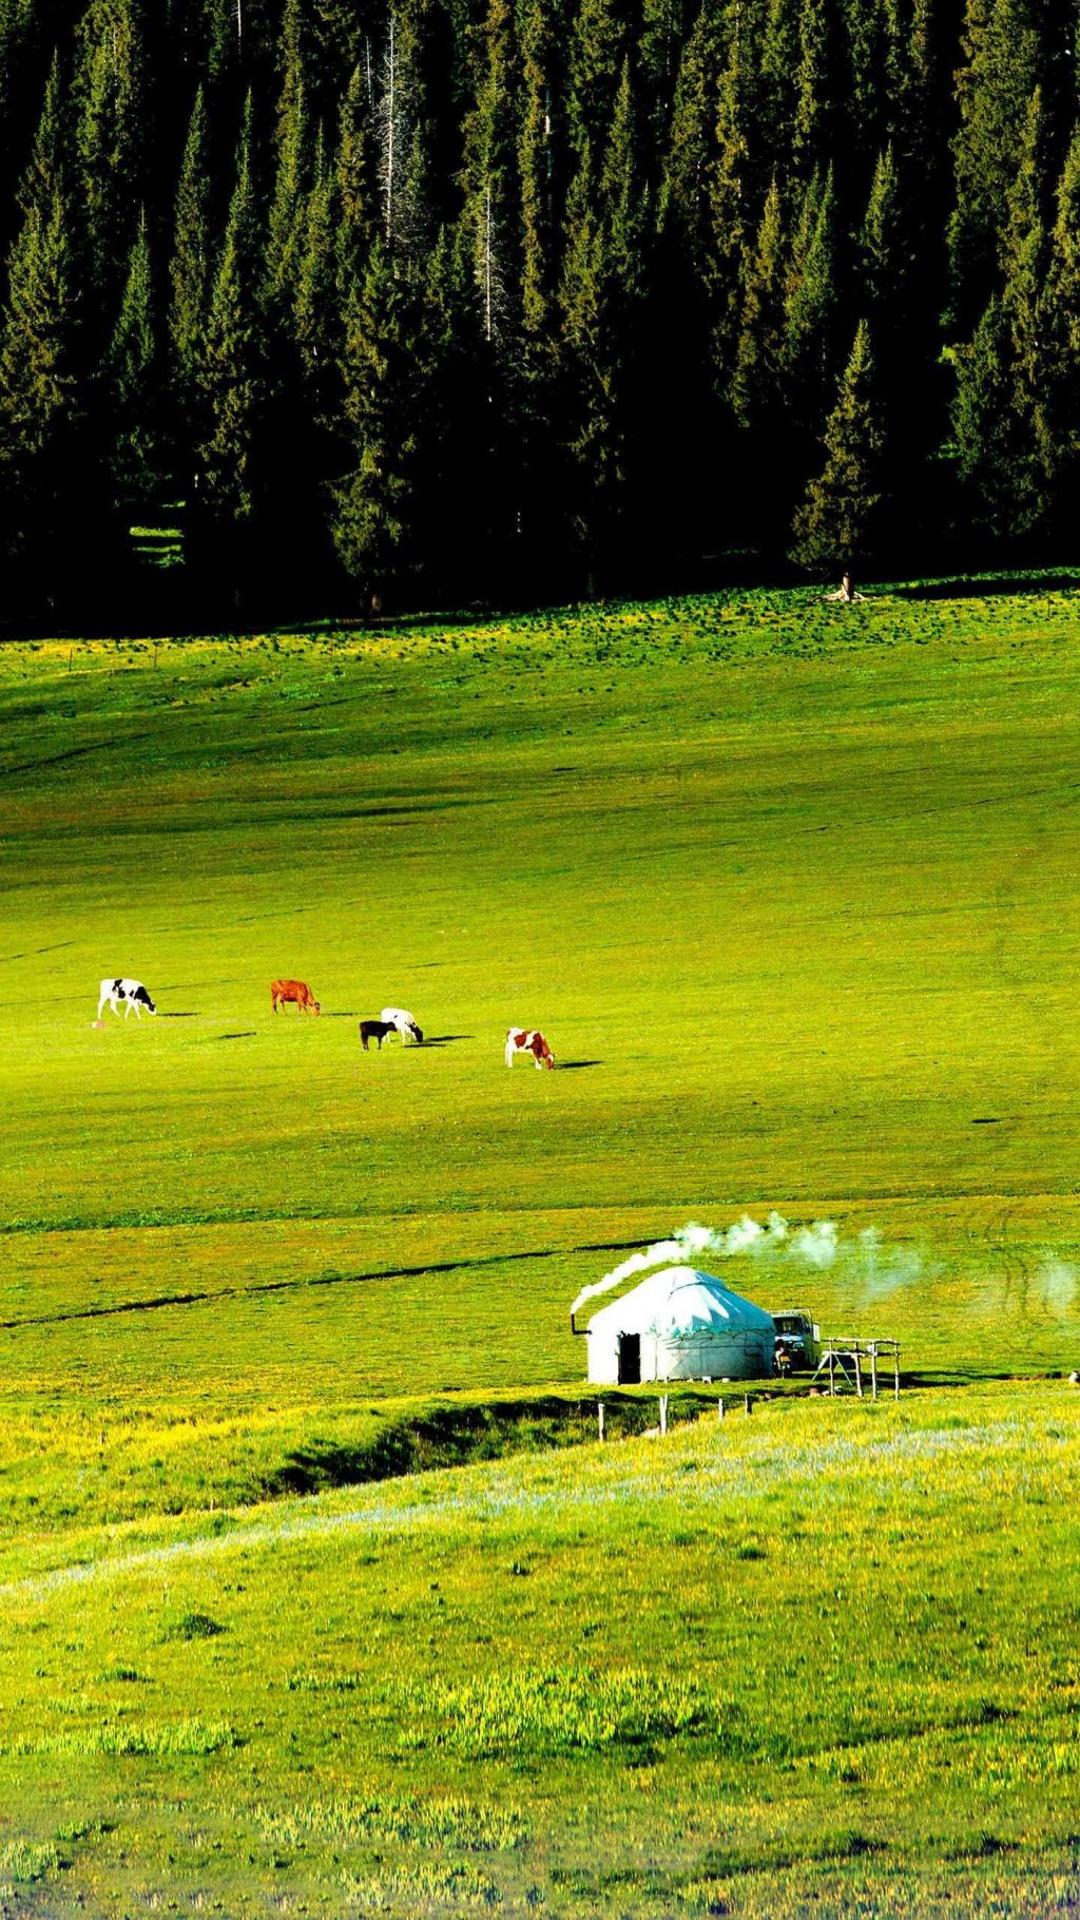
{"type": "Point", "coordinates": [816, 1247]}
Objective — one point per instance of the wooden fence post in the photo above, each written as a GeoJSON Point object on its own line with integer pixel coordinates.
{"type": "Point", "coordinates": [600, 1417]}
{"type": "Point", "coordinates": [663, 1412]}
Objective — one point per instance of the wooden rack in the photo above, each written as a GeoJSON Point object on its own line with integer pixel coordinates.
{"type": "Point", "coordinates": [844, 1362]}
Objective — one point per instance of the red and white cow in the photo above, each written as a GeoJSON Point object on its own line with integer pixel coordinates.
{"type": "Point", "coordinates": [523, 1040]}
{"type": "Point", "coordinates": [296, 991]}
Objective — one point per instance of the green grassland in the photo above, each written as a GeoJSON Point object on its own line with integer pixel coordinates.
{"type": "Point", "coordinates": [793, 891]}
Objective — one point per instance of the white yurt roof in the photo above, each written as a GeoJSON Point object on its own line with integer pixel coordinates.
{"type": "Point", "coordinates": [681, 1300]}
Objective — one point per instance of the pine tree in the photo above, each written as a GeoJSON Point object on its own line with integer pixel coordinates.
{"type": "Point", "coordinates": [46, 492]}
{"type": "Point", "coordinates": [488, 172]}
{"type": "Point", "coordinates": [291, 168]}
{"type": "Point", "coordinates": [810, 305]}
{"type": "Point", "coordinates": [373, 500]}
{"type": "Point", "coordinates": [882, 265]}
{"type": "Point", "coordinates": [109, 98]}
{"type": "Point", "coordinates": [600, 296]}
{"type": "Point", "coordinates": [356, 189]}
{"type": "Point", "coordinates": [756, 382]}
{"type": "Point", "coordinates": [1001, 427]}
{"type": "Point", "coordinates": [229, 371]}
{"type": "Point", "coordinates": [836, 524]}
{"type": "Point", "coordinates": [316, 309]}
{"type": "Point", "coordinates": [993, 90]}
{"type": "Point", "coordinates": [596, 56]}
{"type": "Point", "coordinates": [536, 168]}
{"type": "Point", "coordinates": [728, 193]}
{"type": "Point", "coordinates": [1061, 310]}
{"type": "Point", "coordinates": [663, 35]}
{"type": "Point", "coordinates": [779, 78]}
{"type": "Point", "coordinates": [983, 425]}
{"type": "Point", "coordinates": [685, 198]}
{"type": "Point", "coordinates": [134, 386]}
{"type": "Point", "coordinates": [814, 82]}
{"type": "Point", "coordinates": [406, 136]}
{"type": "Point", "coordinates": [190, 264]}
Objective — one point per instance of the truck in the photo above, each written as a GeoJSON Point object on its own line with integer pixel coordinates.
{"type": "Point", "coordinates": [798, 1341]}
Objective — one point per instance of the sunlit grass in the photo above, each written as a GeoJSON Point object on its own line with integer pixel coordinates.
{"type": "Point", "coordinates": [793, 891]}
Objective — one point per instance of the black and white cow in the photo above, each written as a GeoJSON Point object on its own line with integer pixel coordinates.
{"type": "Point", "coordinates": [131, 992]}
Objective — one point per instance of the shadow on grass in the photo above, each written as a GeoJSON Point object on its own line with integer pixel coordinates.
{"type": "Point", "coordinates": [575, 1066]}
{"type": "Point", "coordinates": [445, 1039]}
{"type": "Point", "coordinates": [212, 1296]}
{"type": "Point", "coordinates": [451, 1436]}
{"type": "Point", "coordinates": [179, 1016]}
{"type": "Point", "coordinates": [988, 586]}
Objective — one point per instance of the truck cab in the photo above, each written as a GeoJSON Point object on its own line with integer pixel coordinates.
{"type": "Point", "coordinates": [798, 1341]}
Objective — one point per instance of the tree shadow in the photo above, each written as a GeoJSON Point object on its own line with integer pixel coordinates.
{"type": "Point", "coordinates": [987, 586]}
{"type": "Point", "coordinates": [575, 1066]}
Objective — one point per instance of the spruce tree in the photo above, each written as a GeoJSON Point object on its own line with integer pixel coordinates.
{"type": "Point", "coordinates": [983, 425]}
{"type": "Point", "coordinates": [356, 191]}
{"type": "Point", "coordinates": [109, 98]}
{"type": "Point", "coordinates": [686, 202]}
{"type": "Point", "coordinates": [756, 382]}
{"type": "Point", "coordinates": [133, 379]}
{"type": "Point", "coordinates": [814, 84]}
{"type": "Point", "coordinates": [373, 499]}
{"type": "Point", "coordinates": [488, 173]}
{"type": "Point", "coordinates": [836, 524]}
{"type": "Point", "coordinates": [729, 192]}
{"type": "Point", "coordinates": [291, 164]}
{"type": "Point", "coordinates": [316, 310]}
{"type": "Point", "coordinates": [595, 62]}
{"type": "Point", "coordinates": [601, 292]}
{"type": "Point", "coordinates": [536, 169]}
{"type": "Point", "coordinates": [993, 89]}
{"type": "Point", "coordinates": [882, 264]}
{"type": "Point", "coordinates": [1061, 312]}
{"type": "Point", "coordinates": [406, 134]}
{"type": "Point", "coordinates": [229, 376]}
{"type": "Point", "coordinates": [47, 491]}
{"type": "Point", "coordinates": [810, 305]}
{"type": "Point", "coordinates": [1001, 425]}
{"type": "Point", "coordinates": [190, 262]}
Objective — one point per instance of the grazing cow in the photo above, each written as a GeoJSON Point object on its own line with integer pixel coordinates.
{"type": "Point", "coordinates": [375, 1030]}
{"type": "Point", "coordinates": [131, 992]}
{"type": "Point", "coordinates": [403, 1023]}
{"type": "Point", "coordinates": [527, 1040]}
{"type": "Point", "coordinates": [282, 991]}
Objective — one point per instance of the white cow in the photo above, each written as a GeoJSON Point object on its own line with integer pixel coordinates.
{"type": "Point", "coordinates": [403, 1023]}
{"type": "Point", "coordinates": [131, 992]}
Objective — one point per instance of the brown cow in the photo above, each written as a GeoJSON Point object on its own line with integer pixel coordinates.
{"type": "Point", "coordinates": [282, 991]}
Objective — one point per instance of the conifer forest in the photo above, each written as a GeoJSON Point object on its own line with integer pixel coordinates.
{"type": "Point", "coordinates": [453, 300]}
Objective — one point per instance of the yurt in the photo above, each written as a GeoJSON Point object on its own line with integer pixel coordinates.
{"type": "Point", "coordinates": [680, 1324]}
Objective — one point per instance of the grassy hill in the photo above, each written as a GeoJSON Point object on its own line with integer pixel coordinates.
{"type": "Point", "coordinates": [792, 889]}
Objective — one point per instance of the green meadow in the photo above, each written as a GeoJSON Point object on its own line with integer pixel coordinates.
{"type": "Point", "coordinates": [792, 890]}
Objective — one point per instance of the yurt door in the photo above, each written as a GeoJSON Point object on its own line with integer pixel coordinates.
{"type": "Point", "coordinates": [629, 1359]}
